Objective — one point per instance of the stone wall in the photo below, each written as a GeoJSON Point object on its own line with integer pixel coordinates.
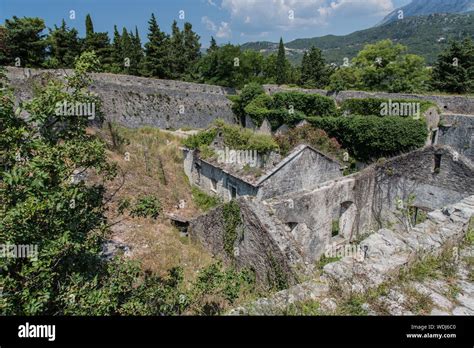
{"type": "Point", "coordinates": [389, 252]}
{"type": "Point", "coordinates": [447, 103]}
{"type": "Point", "coordinates": [367, 201]}
{"type": "Point", "coordinates": [457, 131]}
{"type": "Point", "coordinates": [137, 101]}
{"type": "Point", "coordinates": [261, 245]}
{"type": "Point", "coordinates": [361, 203]}
{"type": "Point", "coordinates": [302, 172]}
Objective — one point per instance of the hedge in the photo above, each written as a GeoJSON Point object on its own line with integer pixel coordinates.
{"type": "Point", "coordinates": [309, 104]}
{"type": "Point", "coordinates": [368, 138]}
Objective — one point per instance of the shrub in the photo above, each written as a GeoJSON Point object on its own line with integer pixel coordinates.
{"type": "Point", "coordinates": [309, 104]}
{"type": "Point", "coordinates": [148, 206]}
{"type": "Point", "coordinates": [235, 137]}
{"type": "Point", "coordinates": [370, 137]}
{"type": "Point", "coordinates": [312, 136]}
{"type": "Point", "coordinates": [203, 200]}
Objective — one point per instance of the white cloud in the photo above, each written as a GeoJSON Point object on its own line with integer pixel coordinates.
{"type": "Point", "coordinates": [224, 30]}
{"type": "Point", "coordinates": [277, 14]}
{"type": "Point", "coordinates": [210, 25]}
{"type": "Point", "coordinates": [212, 3]}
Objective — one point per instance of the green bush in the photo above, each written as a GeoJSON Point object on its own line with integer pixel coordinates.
{"type": "Point", "coordinates": [203, 200]}
{"type": "Point", "coordinates": [235, 137]}
{"type": "Point", "coordinates": [308, 104]}
{"type": "Point", "coordinates": [148, 206]}
{"type": "Point", "coordinates": [370, 137]}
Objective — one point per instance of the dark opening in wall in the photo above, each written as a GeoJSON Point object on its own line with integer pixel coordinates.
{"type": "Point", "coordinates": [292, 225]}
{"type": "Point", "coordinates": [434, 137]}
{"type": "Point", "coordinates": [437, 163]}
{"type": "Point", "coordinates": [335, 228]}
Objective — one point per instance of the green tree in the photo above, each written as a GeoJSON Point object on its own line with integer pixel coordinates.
{"type": "Point", "coordinates": [64, 46]}
{"type": "Point", "coordinates": [126, 45]}
{"type": "Point", "coordinates": [136, 56]}
{"type": "Point", "coordinates": [192, 46]}
{"type": "Point", "coordinates": [117, 58]}
{"type": "Point", "coordinates": [100, 44]}
{"type": "Point", "coordinates": [222, 67]}
{"type": "Point", "coordinates": [156, 51]}
{"type": "Point", "coordinates": [383, 66]}
{"type": "Point", "coordinates": [314, 72]}
{"type": "Point", "coordinates": [213, 45]}
{"type": "Point", "coordinates": [454, 70]}
{"type": "Point", "coordinates": [177, 57]}
{"type": "Point", "coordinates": [25, 42]}
{"type": "Point", "coordinates": [281, 65]}
{"type": "Point", "coordinates": [89, 25]}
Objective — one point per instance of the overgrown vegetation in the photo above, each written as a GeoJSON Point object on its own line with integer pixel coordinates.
{"type": "Point", "coordinates": [234, 137]}
{"type": "Point", "coordinates": [368, 138]}
{"type": "Point", "coordinates": [66, 219]}
{"type": "Point", "coordinates": [232, 221]}
{"type": "Point", "coordinates": [204, 201]}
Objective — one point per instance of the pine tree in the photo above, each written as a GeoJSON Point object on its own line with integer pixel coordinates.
{"type": "Point", "coordinates": [99, 43]}
{"type": "Point", "coordinates": [454, 70]}
{"type": "Point", "coordinates": [314, 72]}
{"type": "Point", "coordinates": [63, 46]}
{"type": "Point", "coordinates": [156, 51]}
{"type": "Point", "coordinates": [192, 46]}
{"type": "Point", "coordinates": [127, 50]}
{"type": "Point", "coordinates": [177, 57]}
{"type": "Point", "coordinates": [213, 46]}
{"type": "Point", "coordinates": [117, 52]}
{"type": "Point", "coordinates": [25, 42]}
{"type": "Point", "coordinates": [137, 53]}
{"type": "Point", "coordinates": [281, 65]}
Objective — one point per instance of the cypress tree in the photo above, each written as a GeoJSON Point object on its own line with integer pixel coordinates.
{"type": "Point", "coordinates": [281, 75]}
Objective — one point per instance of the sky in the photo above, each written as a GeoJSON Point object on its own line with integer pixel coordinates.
{"type": "Point", "coordinates": [235, 21]}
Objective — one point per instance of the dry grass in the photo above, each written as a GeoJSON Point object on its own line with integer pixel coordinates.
{"type": "Point", "coordinates": [154, 167]}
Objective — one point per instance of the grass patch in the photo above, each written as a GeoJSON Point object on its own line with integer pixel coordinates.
{"type": "Point", "coordinates": [204, 201]}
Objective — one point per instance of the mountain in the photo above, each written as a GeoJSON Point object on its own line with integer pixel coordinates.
{"type": "Point", "coordinates": [427, 7]}
{"type": "Point", "coordinates": [426, 36]}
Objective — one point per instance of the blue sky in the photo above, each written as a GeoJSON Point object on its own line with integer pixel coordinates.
{"type": "Point", "coordinates": [235, 21]}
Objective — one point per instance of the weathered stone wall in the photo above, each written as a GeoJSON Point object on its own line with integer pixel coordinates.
{"type": "Point", "coordinates": [447, 104]}
{"type": "Point", "coordinates": [261, 245]}
{"type": "Point", "coordinates": [457, 131]}
{"type": "Point", "coordinates": [137, 101]}
{"type": "Point", "coordinates": [206, 173]}
{"type": "Point", "coordinates": [389, 252]}
{"type": "Point", "coordinates": [414, 174]}
{"type": "Point", "coordinates": [303, 172]}
{"type": "Point", "coordinates": [368, 200]}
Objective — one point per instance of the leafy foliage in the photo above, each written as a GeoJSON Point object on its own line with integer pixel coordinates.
{"type": "Point", "coordinates": [235, 137]}
{"type": "Point", "coordinates": [383, 66]}
{"type": "Point", "coordinates": [371, 137]}
{"type": "Point", "coordinates": [454, 70]}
